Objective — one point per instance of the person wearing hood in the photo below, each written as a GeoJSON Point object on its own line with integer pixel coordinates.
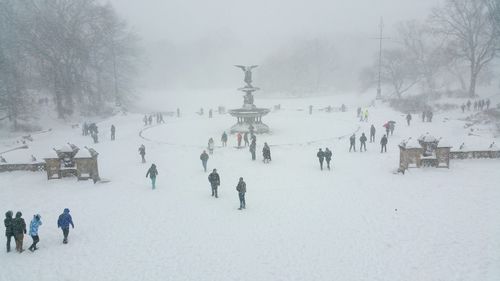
{"type": "Point", "coordinates": [19, 229]}
{"type": "Point", "coordinates": [328, 157]}
{"type": "Point", "coordinates": [34, 225]}
{"type": "Point", "coordinates": [152, 173]}
{"type": "Point", "coordinates": [9, 232]}
{"type": "Point", "coordinates": [64, 221]}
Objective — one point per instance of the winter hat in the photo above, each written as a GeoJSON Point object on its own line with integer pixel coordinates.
{"type": "Point", "coordinates": [66, 210]}
{"type": "Point", "coordinates": [37, 216]}
{"type": "Point", "coordinates": [9, 214]}
{"type": "Point", "coordinates": [19, 214]}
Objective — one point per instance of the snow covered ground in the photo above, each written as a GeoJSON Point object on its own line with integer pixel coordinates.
{"type": "Point", "coordinates": [359, 221]}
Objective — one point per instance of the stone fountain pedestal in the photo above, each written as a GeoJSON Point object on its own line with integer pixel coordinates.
{"type": "Point", "coordinates": [249, 116]}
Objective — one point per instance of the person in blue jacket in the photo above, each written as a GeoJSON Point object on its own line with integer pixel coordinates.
{"type": "Point", "coordinates": [64, 222]}
{"type": "Point", "coordinates": [34, 225]}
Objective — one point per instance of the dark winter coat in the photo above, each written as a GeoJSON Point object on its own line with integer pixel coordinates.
{"type": "Point", "coordinates": [320, 155]}
{"type": "Point", "coordinates": [142, 150]}
{"type": "Point", "coordinates": [224, 137]}
{"type": "Point", "coordinates": [383, 141]}
{"type": "Point", "coordinates": [204, 157]}
{"type": "Point", "coordinates": [152, 172]}
{"type": "Point", "coordinates": [253, 147]}
{"type": "Point", "coordinates": [18, 224]}
{"type": "Point", "coordinates": [328, 155]}
{"type": "Point", "coordinates": [363, 138]}
{"type": "Point", "coordinates": [113, 129]}
{"type": "Point", "coordinates": [372, 130]}
{"type": "Point", "coordinates": [352, 139]}
{"type": "Point", "coordinates": [65, 220]}
{"type": "Point", "coordinates": [8, 224]}
{"type": "Point", "coordinates": [266, 152]}
{"type": "Point", "coordinates": [241, 187]}
{"type": "Point", "coordinates": [214, 178]}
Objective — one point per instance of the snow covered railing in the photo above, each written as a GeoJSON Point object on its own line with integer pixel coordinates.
{"type": "Point", "coordinates": [11, 167]}
{"type": "Point", "coordinates": [463, 153]}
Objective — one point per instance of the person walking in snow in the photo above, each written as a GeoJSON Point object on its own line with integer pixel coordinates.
{"type": "Point", "coordinates": [468, 105]}
{"type": "Point", "coordinates": [408, 118]}
{"type": "Point", "coordinates": [9, 231]}
{"type": "Point", "coordinates": [238, 138]}
{"type": "Point", "coordinates": [150, 120]}
{"type": "Point", "coordinates": [423, 116]}
{"type": "Point", "coordinates": [362, 140]}
{"type": "Point", "coordinates": [19, 229]}
{"type": "Point", "coordinates": [214, 180]}
{"type": "Point", "coordinates": [488, 102]}
{"type": "Point", "coordinates": [266, 153]}
{"type": "Point", "coordinates": [204, 159]}
{"type": "Point", "coordinates": [463, 107]}
{"type": "Point", "coordinates": [321, 158]}
{"type": "Point", "coordinates": [242, 189]}
{"type": "Point", "coordinates": [429, 117]}
{"type": "Point", "coordinates": [113, 130]}
{"type": "Point", "coordinates": [211, 145]}
{"type": "Point", "coordinates": [352, 141]}
{"type": "Point", "coordinates": [383, 144]}
{"type": "Point", "coordinates": [359, 112]}
{"type": "Point", "coordinates": [145, 120]}
{"type": "Point", "coordinates": [328, 157]}
{"type": "Point", "coordinates": [224, 139]}
{"type": "Point", "coordinates": [152, 173]}
{"type": "Point", "coordinates": [372, 133]}
{"type": "Point", "coordinates": [63, 222]}
{"type": "Point", "coordinates": [366, 115]}
{"type": "Point", "coordinates": [142, 152]}
{"type": "Point", "coordinates": [253, 148]}
{"type": "Point", "coordinates": [34, 225]}
{"type": "Point", "coordinates": [245, 138]}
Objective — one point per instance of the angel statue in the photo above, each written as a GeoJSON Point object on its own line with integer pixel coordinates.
{"type": "Point", "coordinates": [248, 73]}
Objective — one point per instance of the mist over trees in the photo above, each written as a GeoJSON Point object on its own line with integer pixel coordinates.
{"type": "Point", "coordinates": [76, 55]}
{"type": "Point", "coordinates": [451, 51]}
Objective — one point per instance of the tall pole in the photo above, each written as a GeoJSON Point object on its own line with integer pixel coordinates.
{"type": "Point", "coordinates": [379, 88]}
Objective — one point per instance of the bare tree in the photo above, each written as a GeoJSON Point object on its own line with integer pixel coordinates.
{"type": "Point", "coordinates": [471, 34]}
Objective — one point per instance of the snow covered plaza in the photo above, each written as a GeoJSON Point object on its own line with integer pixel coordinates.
{"type": "Point", "coordinates": [254, 140]}
{"type": "Point", "coordinates": [358, 221]}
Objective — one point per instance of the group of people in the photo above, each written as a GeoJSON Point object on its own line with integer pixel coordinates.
{"type": "Point", "coordinates": [362, 114]}
{"type": "Point", "coordinates": [324, 155]}
{"type": "Point", "coordinates": [92, 130]}
{"type": "Point", "coordinates": [241, 187]}
{"type": "Point", "coordinates": [15, 228]}
{"type": "Point", "coordinates": [148, 120]}
{"type": "Point", "coordinates": [477, 105]}
{"type": "Point", "coordinates": [363, 139]}
{"type": "Point", "coordinates": [427, 115]}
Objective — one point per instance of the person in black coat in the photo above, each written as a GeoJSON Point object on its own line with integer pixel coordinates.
{"type": "Point", "coordinates": [372, 133]}
{"type": "Point", "coordinates": [242, 189]}
{"type": "Point", "coordinates": [383, 144]}
{"type": "Point", "coordinates": [142, 152]}
{"type": "Point", "coordinates": [214, 180]}
{"type": "Point", "coordinates": [113, 130]}
{"type": "Point", "coordinates": [253, 147]}
{"type": "Point", "coordinates": [9, 232]}
{"type": "Point", "coordinates": [321, 158]}
{"type": "Point", "coordinates": [19, 229]}
{"type": "Point", "coordinates": [352, 140]}
{"type": "Point", "coordinates": [328, 157]}
{"type": "Point", "coordinates": [152, 173]}
{"type": "Point", "coordinates": [245, 138]}
{"type": "Point", "coordinates": [204, 160]}
{"type": "Point", "coordinates": [362, 140]}
{"type": "Point", "coordinates": [266, 153]}
{"type": "Point", "coordinates": [408, 118]}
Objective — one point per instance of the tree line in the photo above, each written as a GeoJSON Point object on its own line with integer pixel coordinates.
{"type": "Point", "coordinates": [76, 55]}
{"type": "Point", "coordinates": [451, 51]}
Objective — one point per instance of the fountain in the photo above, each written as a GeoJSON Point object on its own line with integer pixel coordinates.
{"type": "Point", "coordinates": [249, 116]}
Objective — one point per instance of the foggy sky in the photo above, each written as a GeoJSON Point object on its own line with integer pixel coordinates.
{"type": "Point", "coordinates": [245, 32]}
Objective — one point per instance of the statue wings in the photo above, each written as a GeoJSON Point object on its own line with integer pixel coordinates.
{"type": "Point", "coordinates": [245, 68]}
